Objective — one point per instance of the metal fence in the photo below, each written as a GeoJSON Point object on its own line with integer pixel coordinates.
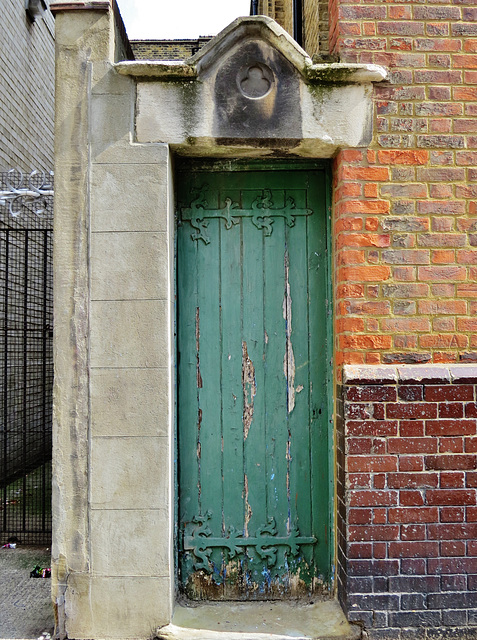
{"type": "Point", "coordinates": [26, 367]}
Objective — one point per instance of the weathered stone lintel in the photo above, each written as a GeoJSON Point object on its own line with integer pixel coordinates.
{"type": "Point", "coordinates": [338, 72]}
{"type": "Point", "coordinates": [76, 5]}
{"type": "Point", "coordinates": [410, 374]}
{"type": "Point", "coordinates": [172, 69]}
{"type": "Point", "coordinates": [333, 73]}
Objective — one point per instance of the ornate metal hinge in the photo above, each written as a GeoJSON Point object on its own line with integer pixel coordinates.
{"type": "Point", "coordinates": [265, 542]}
{"type": "Point", "coordinates": [261, 212]}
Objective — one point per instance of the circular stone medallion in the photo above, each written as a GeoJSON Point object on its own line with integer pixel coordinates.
{"type": "Point", "coordinates": [255, 80]}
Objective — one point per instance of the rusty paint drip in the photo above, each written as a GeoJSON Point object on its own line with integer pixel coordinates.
{"type": "Point", "coordinates": [199, 450]}
{"type": "Point", "coordinates": [289, 358]}
{"type": "Point", "coordinates": [197, 346]}
{"type": "Point", "coordinates": [248, 508]}
{"type": "Point", "coordinates": [289, 458]}
{"type": "Point", "coordinates": [249, 390]}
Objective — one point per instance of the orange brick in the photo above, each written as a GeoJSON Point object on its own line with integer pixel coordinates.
{"type": "Point", "coordinates": [404, 274]}
{"type": "Point", "coordinates": [442, 256]}
{"type": "Point", "coordinates": [363, 240]}
{"type": "Point", "coordinates": [364, 274]}
{"type": "Point", "coordinates": [372, 224]}
{"type": "Point", "coordinates": [443, 324]}
{"type": "Point", "coordinates": [467, 324]}
{"type": "Point", "coordinates": [369, 29]}
{"type": "Point", "coordinates": [366, 342]}
{"type": "Point", "coordinates": [465, 93]}
{"type": "Point", "coordinates": [470, 45]}
{"type": "Point", "coordinates": [348, 224]}
{"type": "Point", "coordinates": [350, 257]}
{"type": "Point", "coordinates": [371, 190]}
{"type": "Point", "coordinates": [443, 290]}
{"type": "Point", "coordinates": [348, 189]}
{"type": "Point", "coordinates": [364, 206]}
{"type": "Point", "coordinates": [462, 61]}
{"type": "Point", "coordinates": [350, 291]}
{"type": "Point", "coordinates": [350, 155]}
{"type": "Point", "coordinates": [400, 12]}
{"type": "Point", "coordinates": [405, 324]}
{"type": "Point", "coordinates": [350, 324]}
{"type": "Point", "coordinates": [442, 224]}
{"type": "Point", "coordinates": [467, 290]}
{"type": "Point", "coordinates": [405, 342]}
{"type": "Point", "coordinates": [443, 341]}
{"type": "Point", "coordinates": [442, 273]}
{"type": "Point", "coordinates": [353, 357]}
{"type": "Point", "coordinates": [372, 325]}
{"type": "Point", "coordinates": [403, 156]}
{"type": "Point", "coordinates": [443, 357]}
{"type": "Point", "coordinates": [366, 173]}
{"type": "Point", "coordinates": [440, 125]}
{"type": "Point", "coordinates": [442, 307]}
{"type": "Point", "coordinates": [369, 307]}
{"type": "Point", "coordinates": [465, 256]}
{"type": "Point", "coordinates": [373, 358]}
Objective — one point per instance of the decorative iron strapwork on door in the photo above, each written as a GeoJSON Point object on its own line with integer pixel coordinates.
{"type": "Point", "coordinates": [26, 371]}
{"type": "Point", "coordinates": [265, 542]}
{"type": "Point", "coordinates": [262, 211]}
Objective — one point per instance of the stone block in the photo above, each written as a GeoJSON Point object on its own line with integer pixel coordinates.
{"type": "Point", "coordinates": [129, 333]}
{"type": "Point", "coordinates": [131, 607]}
{"type": "Point", "coordinates": [129, 197]}
{"type": "Point", "coordinates": [127, 152]}
{"type": "Point", "coordinates": [111, 120]}
{"type": "Point", "coordinates": [129, 402]}
{"type": "Point", "coordinates": [106, 80]}
{"type": "Point", "coordinates": [129, 266]}
{"type": "Point", "coordinates": [131, 543]}
{"type": "Point", "coordinates": [130, 473]}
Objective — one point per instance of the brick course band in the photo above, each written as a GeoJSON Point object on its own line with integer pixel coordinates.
{"type": "Point", "coordinates": [407, 500]}
{"type": "Point", "coordinates": [409, 374]}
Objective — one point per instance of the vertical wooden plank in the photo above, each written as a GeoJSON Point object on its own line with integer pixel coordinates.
{"type": "Point", "coordinates": [254, 419]}
{"type": "Point", "coordinates": [210, 445]}
{"type": "Point", "coordinates": [319, 427]}
{"type": "Point", "coordinates": [232, 400]}
{"type": "Point", "coordinates": [299, 459]}
{"type": "Point", "coordinates": [187, 400]}
{"type": "Point", "coordinates": [275, 382]}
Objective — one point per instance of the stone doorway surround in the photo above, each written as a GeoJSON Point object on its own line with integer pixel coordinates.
{"type": "Point", "coordinates": [118, 125]}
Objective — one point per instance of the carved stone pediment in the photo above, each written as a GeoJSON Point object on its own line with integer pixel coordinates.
{"type": "Point", "coordinates": [253, 90]}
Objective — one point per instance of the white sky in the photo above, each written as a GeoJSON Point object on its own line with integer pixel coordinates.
{"type": "Point", "coordinates": [168, 19]}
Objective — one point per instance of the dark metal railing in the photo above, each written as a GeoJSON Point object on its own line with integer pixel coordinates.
{"type": "Point", "coordinates": [26, 372]}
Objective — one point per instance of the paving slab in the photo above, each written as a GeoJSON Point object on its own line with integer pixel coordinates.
{"type": "Point", "coordinates": [278, 620]}
{"type": "Point", "coordinates": [25, 603]}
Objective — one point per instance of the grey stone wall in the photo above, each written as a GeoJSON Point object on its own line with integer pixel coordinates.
{"type": "Point", "coordinates": [27, 73]}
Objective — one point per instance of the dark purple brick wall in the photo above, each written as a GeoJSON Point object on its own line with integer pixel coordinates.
{"type": "Point", "coordinates": [407, 500]}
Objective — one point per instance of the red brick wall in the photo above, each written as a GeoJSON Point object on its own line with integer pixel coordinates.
{"type": "Point", "coordinates": [407, 484]}
{"type": "Point", "coordinates": [405, 214]}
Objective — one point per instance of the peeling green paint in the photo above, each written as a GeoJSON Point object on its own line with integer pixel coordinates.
{"type": "Point", "coordinates": [258, 468]}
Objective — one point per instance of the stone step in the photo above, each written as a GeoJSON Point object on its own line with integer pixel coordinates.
{"type": "Point", "coordinates": [323, 620]}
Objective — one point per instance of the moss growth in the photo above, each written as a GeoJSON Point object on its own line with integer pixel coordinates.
{"type": "Point", "coordinates": [329, 74]}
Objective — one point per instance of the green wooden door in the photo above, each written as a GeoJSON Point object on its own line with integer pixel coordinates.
{"type": "Point", "coordinates": [253, 383]}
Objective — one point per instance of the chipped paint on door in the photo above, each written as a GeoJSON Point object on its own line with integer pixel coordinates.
{"type": "Point", "coordinates": [253, 437]}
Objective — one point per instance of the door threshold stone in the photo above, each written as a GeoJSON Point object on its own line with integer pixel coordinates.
{"type": "Point", "coordinates": [276, 620]}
